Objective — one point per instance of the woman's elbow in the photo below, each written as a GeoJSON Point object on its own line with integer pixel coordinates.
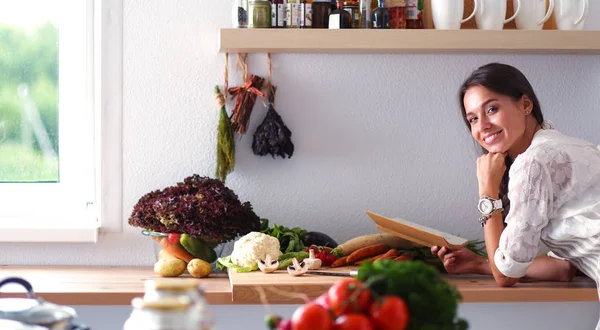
{"type": "Point", "coordinates": [505, 282]}
{"type": "Point", "coordinates": [568, 272]}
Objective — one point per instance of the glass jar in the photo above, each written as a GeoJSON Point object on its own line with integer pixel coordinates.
{"type": "Point", "coordinates": [320, 14]}
{"type": "Point", "coordinates": [396, 10]}
{"type": "Point", "coordinates": [165, 288]}
{"type": "Point", "coordinates": [259, 14]}
{"type": "Point", "coordinates": [163, 314]}
{"type": "Point", "coordinates": [240, 14]}
{"type": "Point", "coordinates": [352, 7]}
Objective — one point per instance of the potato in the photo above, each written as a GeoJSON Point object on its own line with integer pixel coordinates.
{"type": "Point", "coordinates": [169, 267]}
{"type": "Point", "coordinates": [199, 268]}
{"type": "Point", "coordinates": [162, 254]}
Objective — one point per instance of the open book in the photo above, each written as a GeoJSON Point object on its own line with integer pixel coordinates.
{"type": "Point", "coordinates": [415, 232]}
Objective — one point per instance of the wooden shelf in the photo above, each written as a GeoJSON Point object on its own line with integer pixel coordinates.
{"type": "Point", "coordinates": [408, 41]}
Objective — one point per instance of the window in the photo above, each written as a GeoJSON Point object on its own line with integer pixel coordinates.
{"type": "Point", "coordinates": [60, 119]}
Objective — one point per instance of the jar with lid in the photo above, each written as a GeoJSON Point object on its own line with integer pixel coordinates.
{"type": "Point", "coordinates": [158, 289]}
{"type": "Point", "coordinates": [240, 14]}
{"type": "Point", "coordinates": [320, 14]}
{"type": "Point", "coordinates": [352, 7]}
{"type": "Point", "coordinates": [163, 314]}
{"type": "Point", "coordinates": [259, 14]}
{"type": "Point", "coordinates": [396, 10]}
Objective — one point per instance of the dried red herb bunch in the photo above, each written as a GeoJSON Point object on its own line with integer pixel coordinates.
{"type": "Point", "coordinates": [199, 206]}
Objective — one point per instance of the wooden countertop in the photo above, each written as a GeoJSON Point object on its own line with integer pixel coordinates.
{"type": "Point", "coordinates": [78, 285]}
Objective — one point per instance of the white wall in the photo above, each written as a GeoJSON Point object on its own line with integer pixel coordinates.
{"type": "Point", "coordinates": [372, 132]}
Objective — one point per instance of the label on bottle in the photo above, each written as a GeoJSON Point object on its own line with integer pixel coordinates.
{"type": "Point", "coordinates": [277, 15]}
{"type": "Point", "coordinates": [293, 15]}
{"type": "Point", "coordinates": [306, 15]}
{"type": "Point", "coordinates": [334, 21]}
{"type": "Point", "coordinates": [412, 9]}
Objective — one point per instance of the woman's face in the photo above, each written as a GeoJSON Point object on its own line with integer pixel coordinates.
{"type": "Point", "coordinates": [497, 121]}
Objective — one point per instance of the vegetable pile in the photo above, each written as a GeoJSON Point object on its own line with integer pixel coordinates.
{"type": "Point", "coordinates": [199, 206]}
{"type": "Point", "coordinates": [386, 295]}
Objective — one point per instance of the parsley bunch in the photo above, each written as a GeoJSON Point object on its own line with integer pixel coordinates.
{"type": "Point", "coordinates": [432, 301]}
{"type": "Point", "coordinates": [290, 239]}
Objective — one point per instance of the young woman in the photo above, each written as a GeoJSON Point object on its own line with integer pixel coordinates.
{"type": "Point", "coordinates": [543, 184]}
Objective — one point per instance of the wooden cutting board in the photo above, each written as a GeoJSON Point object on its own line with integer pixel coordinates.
{"type": "Point", "coordinates": [280, 287]}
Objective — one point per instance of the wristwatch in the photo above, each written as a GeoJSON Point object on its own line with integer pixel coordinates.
{"type": "Point", "coordinates": [488, 206]}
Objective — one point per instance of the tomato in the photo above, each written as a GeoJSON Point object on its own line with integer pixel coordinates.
{"type": "Point", "coordinates": [390, 314]}
{"type": "Point", "coordinates": [173, 238]}
{"type": "Point", "coordinates": [311, 317]}
{"type": "Point", "coordinates": [329, 259]}
{"type": "Point", "coordinates": [349, 296]}
{"type": "Point", "coordinates": [353, 322]}
{"type": "Point", "coordinates": [323, 300]}
{"type": "Point", "coordinates": [285, 325]}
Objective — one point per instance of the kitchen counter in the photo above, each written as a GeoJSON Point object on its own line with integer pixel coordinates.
{"type": "Point", "coordinates": [84, 285]}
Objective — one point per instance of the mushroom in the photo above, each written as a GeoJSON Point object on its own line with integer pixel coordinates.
{"type": "Point", "coordinates": [311, 261]}
{"type": "Point", "coordinates": [299, 268]}
{"type": "Point", "coordinates": [268, 265]}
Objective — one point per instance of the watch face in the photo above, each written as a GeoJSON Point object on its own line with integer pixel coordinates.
{"type": "Point", "coordinates": [485, 206]}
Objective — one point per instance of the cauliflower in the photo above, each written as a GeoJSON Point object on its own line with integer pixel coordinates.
{"type": "Point", "coordinates": [252, 247]}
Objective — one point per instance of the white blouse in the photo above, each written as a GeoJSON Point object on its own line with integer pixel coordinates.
{"type": "Point", "coordinates": [554, 192]}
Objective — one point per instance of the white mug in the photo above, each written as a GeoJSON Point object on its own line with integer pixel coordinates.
{"type": "Point", "coordinates": [491, 14]}
{"type": "Point", "coordinates": [570, 14]}
{"type": "Point", "coordinates": [448, 14]}
{"type": "Point", "coordinates": [533, 14]}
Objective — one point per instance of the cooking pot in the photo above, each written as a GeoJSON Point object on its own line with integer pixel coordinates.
{"type": "Point", "coordinates": [36, 311]}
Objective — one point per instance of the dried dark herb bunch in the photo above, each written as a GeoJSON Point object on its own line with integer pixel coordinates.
{"type": "Point", "coordinates": [199, 206]}
{"type": "Point", "coordinates": [272, 136]}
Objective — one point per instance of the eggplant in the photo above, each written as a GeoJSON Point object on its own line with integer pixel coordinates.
{"type": "Point", "coordinates": [318, 239]}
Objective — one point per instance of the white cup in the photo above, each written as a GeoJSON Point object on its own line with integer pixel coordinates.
{"type": "Point", "coordinates": [532, 14]}
{"type": "Point", "coordinates": [448, 14]}
{"type": "Point", "coordinates": [491, 13]}
{"type": "Point", "coordinates": [570, 14]}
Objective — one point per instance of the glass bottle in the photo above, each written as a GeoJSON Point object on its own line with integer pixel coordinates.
{"type": "Point", "coordinates": [339, 18]}
{"type": "Point", "coordinates": [162, 314]}
{"type": "Point", "coordinates": [381, 16]}
{"type": "Point", "coordinates": [240, 14]}
{"type": "Point", "coordinates": [278, 14]}
{"type": "Point", "coordinates": [306, 13]}
{"type": "Point", "coordinates": [366, 10]}
{"type": "Point", "coordinates": [414, 14]}
{"type": "Point", "coordinates": [352, 7]}
{"type": "Point", "coordinates": [320, 14]}
{"type": "Point", "coordinates": [293, 14]}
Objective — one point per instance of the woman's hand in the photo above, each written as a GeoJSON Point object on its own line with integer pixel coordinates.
{"type": "Point", "coordinates": [462, 261]}
{"type": "Point", "coordinates": [490, 170]}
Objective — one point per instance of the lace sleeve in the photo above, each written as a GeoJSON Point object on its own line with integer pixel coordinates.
{"type": "Point", "coordinates": [530, 195]}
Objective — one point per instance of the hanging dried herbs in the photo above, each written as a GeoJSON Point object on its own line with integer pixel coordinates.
{"type": "Point", "coordinates": [245, 96]}
{"type": "Point", "coordinates": [225, 141]}
{"type": "Point", "coordinates": [272, 136]}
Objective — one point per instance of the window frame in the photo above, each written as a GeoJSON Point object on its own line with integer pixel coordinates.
{"type": "Point", "coordinates": [104, 96]}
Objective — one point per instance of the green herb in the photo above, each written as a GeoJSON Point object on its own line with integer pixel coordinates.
{"type": "Point", "coordinates": [286, 259]}
{"type": "Point", "coordinates": [290, 239]}
{"type": "Point", "coordinates": [432, 301]}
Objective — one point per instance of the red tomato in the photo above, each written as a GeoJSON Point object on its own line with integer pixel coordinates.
{"type": "Point", "coordinates": [353, 322]}
{"type": "Point", "coordinates": [329, 259]}
{"type": "Point", "coordinates": [173, 238]}
{"type": "Point", "coordinates": [311, 317]}
{"type": "Point", "coordinates": [349, 296]}
{"type": "Point", "coordinates": [390, 314]}
{"type": "Point", "coordinates": [323, 300]}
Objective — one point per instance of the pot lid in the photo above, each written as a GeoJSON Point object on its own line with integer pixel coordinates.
{"type": "Point", "coordinates": [32, 310]}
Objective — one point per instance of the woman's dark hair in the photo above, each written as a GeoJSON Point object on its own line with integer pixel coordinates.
{"type": "Point", "coordinates": [506, 80]}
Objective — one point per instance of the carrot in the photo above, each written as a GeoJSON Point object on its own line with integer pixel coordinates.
{"type": "Point", "coordinates": [360, 262]}
{"type": "Point", "coordinates": [391, 254]}
{"type": "Point", "coordinates": [406, 256]}
{"type": "Point", "coordinates": [367, 252]}
{"type": "Point", "coordinates": [340, 262]}
{"type": "Point", "coordinates": [174, 249]}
